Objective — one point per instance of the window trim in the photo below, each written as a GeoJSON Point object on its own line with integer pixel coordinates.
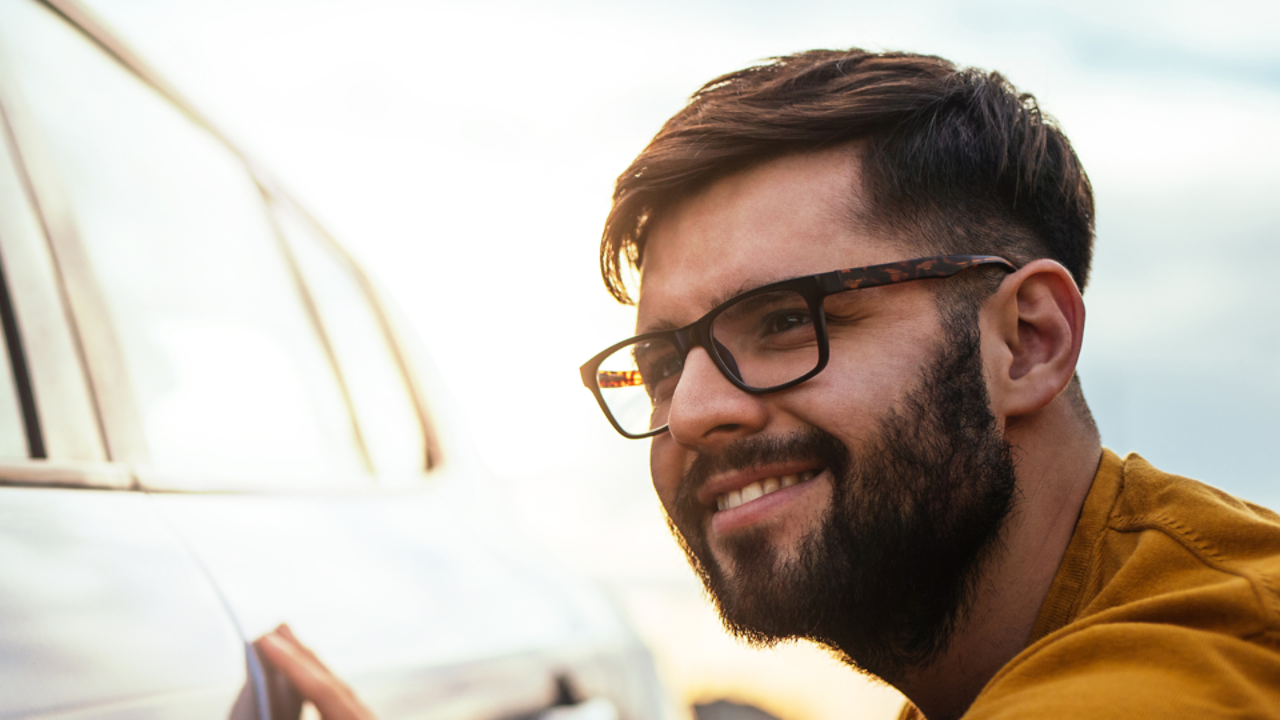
{"type": "Point", "coordinates": [21, 374]}
{"type": "Point", "coordinates": [53, 473]}
{"type": "Point", "coordinates": [101, 358]}
{"type": "Point", "coordinates": [96, 30]}
{"type": "Point", "coordinates": [381, 310]}
{"type": "Point", "coordinates": [56, 380]}
{"type": "Point", "coordinates": [322, 330]}
{"type": "Point", "coordinates": [118, 416]}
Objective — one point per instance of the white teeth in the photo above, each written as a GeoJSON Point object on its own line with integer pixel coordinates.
{"type": "Point", "coordinates": [759, 489]}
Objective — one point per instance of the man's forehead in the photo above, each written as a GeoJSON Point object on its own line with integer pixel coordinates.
{"type": "Point", "coordinates": [791, 216]}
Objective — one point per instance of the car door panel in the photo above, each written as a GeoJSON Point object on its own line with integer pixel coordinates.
{"type": "Point", "coordinates": [402, 592]}
{"type": "Point", "coordinates": [104, 612]}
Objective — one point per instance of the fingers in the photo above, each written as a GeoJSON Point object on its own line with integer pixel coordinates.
{"type": "Point", "coordinates": [314, 681]}
{"type": "Point", "coordinates": [306, 674]}
{"type": "Point", "coordinates": [287, 633]}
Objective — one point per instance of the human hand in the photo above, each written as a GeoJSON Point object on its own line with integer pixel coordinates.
{"type": "Point", "coordinates": [314, 681]}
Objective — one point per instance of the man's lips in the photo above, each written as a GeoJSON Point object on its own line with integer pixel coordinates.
{"type": "Point", "coordinates": [730, 490]}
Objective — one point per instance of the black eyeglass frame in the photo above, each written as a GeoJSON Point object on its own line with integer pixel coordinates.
{"type": "Point", "coordinates": [814, 289]}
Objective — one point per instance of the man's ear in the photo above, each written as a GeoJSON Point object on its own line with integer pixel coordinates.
{"type": "Point", "coordinates": [1032, 328]}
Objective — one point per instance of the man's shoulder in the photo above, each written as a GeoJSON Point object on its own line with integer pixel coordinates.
{"type": "Point", "coordinates": [1152, 498]}
{"type": "Point", "coordinates": [1172, 550]}
{"type": "Point", "coordinates": [1174, 604]}
{"type": "Point", "coordinates": [1168, 535]}
{"type": "Point", "coordinates": [1138, 670]}
{"type": "Point", "coordinates": [1155, 547]}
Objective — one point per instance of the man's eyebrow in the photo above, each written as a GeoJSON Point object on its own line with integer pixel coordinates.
{"type": "Point", "coordinates": [658, 326]}
{"type": "Point", "coordinates": [724, 297]}
{"type": "Point", "coordinates": [716, 301]}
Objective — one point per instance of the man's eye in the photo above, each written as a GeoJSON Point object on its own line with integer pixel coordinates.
{"type": "Point", "coordinates": [656, 366]}
{"type": "Point", "coordinates": [663, 368]}
{"type": "Point", "coordinates": [781, 322]}
{"type": "Point", "coordinates": [661, 374]}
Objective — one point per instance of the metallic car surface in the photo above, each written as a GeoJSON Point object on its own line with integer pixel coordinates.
{"type": "Point", "coordinates": [102, 608]}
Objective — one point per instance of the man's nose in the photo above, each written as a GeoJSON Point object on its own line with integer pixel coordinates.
{"type": "Point", "coordinates": [707, 409]}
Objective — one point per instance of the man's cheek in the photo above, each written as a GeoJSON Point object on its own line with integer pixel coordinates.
{"type": "Point", "coordinates": [665, 470]}
{"type": "Point", "coordinates": [851, 412]}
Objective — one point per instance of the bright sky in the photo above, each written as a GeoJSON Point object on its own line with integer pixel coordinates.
{"type": "Point", "coordinates": [466, 152]}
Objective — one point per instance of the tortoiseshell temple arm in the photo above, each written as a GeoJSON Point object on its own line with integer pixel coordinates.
{"type": "Point", "coordinates": [918, 269]}
{"type": "Point", "coordinates": [618, 378]}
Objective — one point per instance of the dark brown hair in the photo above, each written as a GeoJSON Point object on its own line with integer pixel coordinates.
{"type": "Point", "coordinates": [953, 160]}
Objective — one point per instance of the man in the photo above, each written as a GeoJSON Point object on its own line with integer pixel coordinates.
{"type": "Point", "coordinates": [932, 504]}
{"type": "Point", "coordinates": [859, 312]}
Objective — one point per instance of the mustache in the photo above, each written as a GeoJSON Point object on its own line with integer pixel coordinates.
{"type": "Point", "coordinates": [808, 444]}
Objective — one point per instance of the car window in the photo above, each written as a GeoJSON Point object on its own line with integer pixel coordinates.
{"type": "Point", "coordinates": [388, 417]}
{"type": "Point", "coordinates": [13, 438]}
{"type": "Point", "coordinates": [228, 370]}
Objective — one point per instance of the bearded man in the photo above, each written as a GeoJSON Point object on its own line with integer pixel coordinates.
{"type": "Point", "coordinates": [859, 314]}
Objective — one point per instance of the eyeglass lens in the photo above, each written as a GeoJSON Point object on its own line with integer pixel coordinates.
{"type": "Point", "coordinates": [764, 340]}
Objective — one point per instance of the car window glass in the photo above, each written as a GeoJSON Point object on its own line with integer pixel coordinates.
{"type": "Point", "coordinates": [228, 369]}
{"type": "Point", "coordinates": [388, 417]}
{"type": "Point", "coordinates": [13, 438]}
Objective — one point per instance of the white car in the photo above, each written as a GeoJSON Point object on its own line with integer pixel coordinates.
{"type": "Point", "coordinates": [209, 425]}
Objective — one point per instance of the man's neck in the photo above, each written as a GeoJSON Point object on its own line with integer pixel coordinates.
{"type": "Point", "coordinates": [1057, 457]}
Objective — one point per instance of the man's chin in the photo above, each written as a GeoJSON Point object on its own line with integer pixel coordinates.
{"type": "Point", "coordinates": [753, 554]}
{"type": "Point", "coordinates": [746, 578]}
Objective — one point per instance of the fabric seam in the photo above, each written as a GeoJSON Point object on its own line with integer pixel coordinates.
{"type": "Point", "coordinates": [1265, 595]}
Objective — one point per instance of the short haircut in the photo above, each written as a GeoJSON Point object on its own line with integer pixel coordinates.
{"type": "Point", "coordinates": [953, 161]}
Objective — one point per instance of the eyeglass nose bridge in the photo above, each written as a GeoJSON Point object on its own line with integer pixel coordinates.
{"type": "Point", "coordinates": [688, 338]}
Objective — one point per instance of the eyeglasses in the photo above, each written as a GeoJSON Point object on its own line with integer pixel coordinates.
{"type": "Point", "coordinates": [764, 340]}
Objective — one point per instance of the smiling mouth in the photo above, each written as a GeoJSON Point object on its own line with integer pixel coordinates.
{"type": "Point", "coordinates": [760, 488]}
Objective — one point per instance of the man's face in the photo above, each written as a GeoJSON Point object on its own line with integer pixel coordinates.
{"type": "Point", "coordinates": [884, 477]}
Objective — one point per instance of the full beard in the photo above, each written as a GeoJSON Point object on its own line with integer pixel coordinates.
{"type": "Point", "coordinates": [915, 516]}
